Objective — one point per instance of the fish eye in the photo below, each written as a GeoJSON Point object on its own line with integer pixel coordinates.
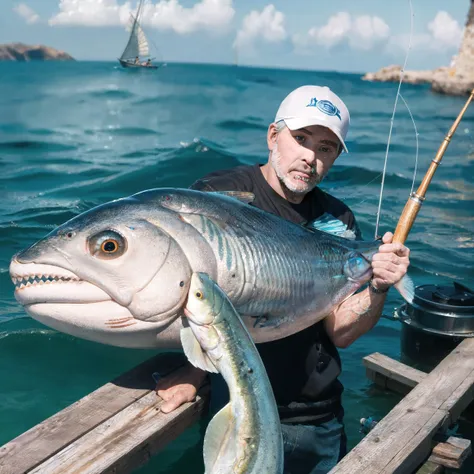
{"type": "Point", "coordinates": [357, 263]}
{"type": "Point", "coordinates": [107, 245]}
{"type": "Point", "coordinates": [356, 266]}
{"type": "Point", "coordinates": [199, 295]}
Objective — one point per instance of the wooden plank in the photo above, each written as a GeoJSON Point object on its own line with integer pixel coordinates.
{"type": "Point", "coordinates": [386, 383]}
{"type": "Point", "coordinates": [389, 373]}
{"type": "Point", "coordinates": [401, 441]}
{"type": "Point", "coordinates": [47, 438]}
{"type": "Point", "coordinates": [430, 468]}
{"type": "Point", "coordinates": [451, 453]}
{"type": "Point", "coordinates": [127, 440]}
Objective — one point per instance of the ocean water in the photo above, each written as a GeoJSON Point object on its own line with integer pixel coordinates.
{"type": "Point", "coordinates": [75, 135]}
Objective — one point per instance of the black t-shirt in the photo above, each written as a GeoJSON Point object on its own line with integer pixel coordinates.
{"type": "Point", "coordinates": [296, 365]}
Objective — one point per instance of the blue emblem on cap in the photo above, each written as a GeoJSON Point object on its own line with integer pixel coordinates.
{"type": "Point", "coordinates": [326, 107]}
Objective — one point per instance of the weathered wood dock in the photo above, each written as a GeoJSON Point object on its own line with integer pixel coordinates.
{"type": "Point", "coordinates": [114, 429]}
{"type": "Point", "coordinates": [118, 427]}
{"type": "Point", "coordinates": [403, 439]}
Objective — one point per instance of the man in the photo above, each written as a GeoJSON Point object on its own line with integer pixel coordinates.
{"type": "Point", "coordinates": [137, 60]}
{"type": "Point", "coordinates": [304, 141]}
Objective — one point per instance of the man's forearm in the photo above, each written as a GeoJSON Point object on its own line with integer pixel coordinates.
{"type": "Point", "coordinates": [357, 315]}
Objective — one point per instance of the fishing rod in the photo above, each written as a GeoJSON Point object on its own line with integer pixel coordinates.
{"type": "Point", "coordinates": [416, 199]}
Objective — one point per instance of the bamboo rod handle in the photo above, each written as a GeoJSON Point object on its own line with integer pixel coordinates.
{"type": "Point", "coordinates": [413, 205]}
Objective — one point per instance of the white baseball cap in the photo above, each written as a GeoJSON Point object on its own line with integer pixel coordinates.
{"type": "Point", "coordinates": [315, 105]}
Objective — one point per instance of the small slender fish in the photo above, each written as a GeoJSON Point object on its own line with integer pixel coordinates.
{"type": "Point", "coordinates": [245, 436]}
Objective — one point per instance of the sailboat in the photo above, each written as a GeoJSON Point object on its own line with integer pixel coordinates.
{"type": "Point", "coordinates": [137, 46]}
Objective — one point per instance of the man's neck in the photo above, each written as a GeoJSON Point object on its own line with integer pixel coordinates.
{"type": "Point", "coordinates": [272, 179]}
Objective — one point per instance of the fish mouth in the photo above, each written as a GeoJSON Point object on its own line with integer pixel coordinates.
{"type": "Point", "coordinates": [190, 316]}
{"type": "Point", "coordinates": [47, 284]}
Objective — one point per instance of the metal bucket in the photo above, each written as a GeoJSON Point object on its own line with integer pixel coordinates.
{"type": "Point", "coordinates": [439, 318]}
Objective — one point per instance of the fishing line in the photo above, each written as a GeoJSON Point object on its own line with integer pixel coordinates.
{"type": "Point", "coordinates": [380, 174]}
{"type": "Point", "coordinates": [402, 73]}
{"type": "Point", "coordinates": [417, 145]}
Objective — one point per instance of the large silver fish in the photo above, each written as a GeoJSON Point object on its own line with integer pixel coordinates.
{"type": "Point", "coordinates": [245, 436]}
{"type": "Point", "coordinates": [119, 273]}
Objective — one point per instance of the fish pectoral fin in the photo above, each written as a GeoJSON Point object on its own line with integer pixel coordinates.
{"type": "Point", "coordinates": [202, 222]}
{"type": "Point", "coordinates": [220, 438]}
{"type": "Point", "coordinates": [193, 351]}
{"type": "Point", "coordinates": [406, 288]}
{"type": "Point", "coordinates": [243, 196]}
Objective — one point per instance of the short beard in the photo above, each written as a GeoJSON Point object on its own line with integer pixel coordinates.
{"type": "Point", "coordinates": [286, 182]}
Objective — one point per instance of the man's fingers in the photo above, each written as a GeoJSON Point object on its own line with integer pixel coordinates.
{"type": "Point", "coordinates": [387, 238]}
{"type": "Point", "coordinates": [180, 397]}
{"type": "Point", "coordinates": [169, 406]}
{"type": "Point", "coordinates": [397, 248]}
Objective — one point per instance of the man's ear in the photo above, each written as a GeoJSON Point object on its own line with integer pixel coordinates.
{"type": "Point", "coordinates": [272, 134]}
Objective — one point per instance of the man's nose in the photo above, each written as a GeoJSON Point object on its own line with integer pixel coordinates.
{"type": "Point", "coordinates": [310, 158]}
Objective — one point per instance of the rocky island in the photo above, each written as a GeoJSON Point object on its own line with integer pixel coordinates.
{"type": "Point", "coordinates": [24, 52]}
{"type": "Point", "coordinates": [457, 79]}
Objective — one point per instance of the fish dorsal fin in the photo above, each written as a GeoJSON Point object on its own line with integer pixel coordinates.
{"type": "Point", "coordinates": [243, 196]}
{"type": "Point", "coordinates": [331, 225]}
{"type": "Point", "coordinates": [219, 438]}
{"type": "Point", "coordinates": [193, 351]}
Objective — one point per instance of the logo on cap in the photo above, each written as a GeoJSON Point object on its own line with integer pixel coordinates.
{"type": "Point", "coordinates": [326, 107]}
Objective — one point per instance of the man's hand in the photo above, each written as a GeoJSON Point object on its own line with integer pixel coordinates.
{"type": "Point", "coordinates": [390, 264]}
{"type": "Point", "coordinates": [179, 387]}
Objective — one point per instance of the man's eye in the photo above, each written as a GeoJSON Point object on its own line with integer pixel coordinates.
{"type": "Point", "coordinates": [300, 138]}
{"type": "Point", "coordinates": [324, 149]}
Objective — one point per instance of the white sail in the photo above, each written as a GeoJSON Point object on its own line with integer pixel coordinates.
{"type": "Point", "coordinates": [137, 44]}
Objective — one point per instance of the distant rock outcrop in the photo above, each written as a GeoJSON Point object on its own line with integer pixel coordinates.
{"type": "Point", "coordinates": [458, 79]}
{"type": "Point", "coordinates": [23, 52]}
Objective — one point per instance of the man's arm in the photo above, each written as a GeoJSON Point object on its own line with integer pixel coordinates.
{"type": "Point", "coordinates": [361, 312]}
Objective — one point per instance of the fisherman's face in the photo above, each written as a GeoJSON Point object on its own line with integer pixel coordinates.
{"type": "Point", "coordinates": [302, 158]}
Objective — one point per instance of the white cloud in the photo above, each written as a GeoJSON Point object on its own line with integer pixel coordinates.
{"type": "Point", "coordinates": [166, 14]}
{"type": "Point", "coordinates": [444, 33]}
{"type": "Point", "coordinates": [27, 13]}
{"type": "Point", "coordinates": [369, 30]}
{"type": "Point", "coordinates": [91, 13]}
{"type": "Point", "coordinates": [269, 24]}
{"type": "Point", "coordinates": [204, 15]}
{"type": "Point", "coordinates": [445, 30]}
{"type": "Point", "coordinates": [360, 32]}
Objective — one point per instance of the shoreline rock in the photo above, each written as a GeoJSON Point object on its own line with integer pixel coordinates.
{"type": "Point", "coordinates": [458, 79]}
{"type": "Point", "coordinates": [24, 52]}
{"type": "Point", "coordinates": [444, 80]}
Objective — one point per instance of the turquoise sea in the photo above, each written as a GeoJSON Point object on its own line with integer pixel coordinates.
{"type": "Point", "coordinates": [75, 135]}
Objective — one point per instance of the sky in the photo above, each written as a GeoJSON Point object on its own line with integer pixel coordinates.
{"type": "Point", "coordinates": [338, 35]}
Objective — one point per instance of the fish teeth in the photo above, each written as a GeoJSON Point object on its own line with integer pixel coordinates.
{"type": "Point", "coordinates": [40, 279]}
